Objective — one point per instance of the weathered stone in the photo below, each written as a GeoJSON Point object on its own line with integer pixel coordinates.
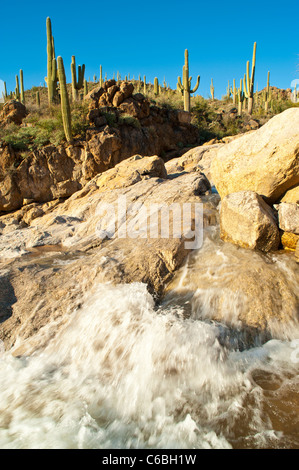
{"type": "Point", "coordinates": [93, 114]}
{"type": "Point", "coordinates": [100, 121]}
{"type": "Point", "coordinates": [94, 94]}
{"type": "Point", "coordinates": [137, 109]}
{"type": "Point", "coordinates": [65, 189]}
{"type": "Point", "coordinates": [291, 196]}
{"type": "Point", "coordinates": [111, 92]}
{"type": "Point", "coordinates": [12, 112]}
{"type": "Point", "coordinates": [246, 220]}
{"type": "Point", "coordinates": [103, 146]}
{"type": "Point", "coordinates": [109, 83]}
{"type": "Point", "coordinates": [127, 88]}
{"type": "Point", "coordinates": [265, 161]}
{"type": "Point", "coordinates": [288, 217]}
{"type": "Point", "coordinates": [118, 98]}
{"type": "Point", "coordinates": [289, 240]}
{"type": "Point", "coordinates": [184, 117]}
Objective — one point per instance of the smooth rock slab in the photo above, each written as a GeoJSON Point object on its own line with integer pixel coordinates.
{"type": "Point", "coordinates": [246, 220]}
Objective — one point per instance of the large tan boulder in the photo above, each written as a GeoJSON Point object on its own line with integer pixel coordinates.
{"type": "Point", "coordinates": [265, 161]}
{"type": "Point", "coordinates": [246, 220]}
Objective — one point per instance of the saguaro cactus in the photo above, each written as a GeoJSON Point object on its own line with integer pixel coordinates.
{"type": "Point", "coordinates": [77, 85]}
{"type": "Point", "coordinates": [234, 91]}
{"type": "Point", "coordinates": [52, 65]}
{"type": "Point", "coordinates": [5, 91]}
{"type": "Point", "coordinates": [37, 97]}
{"type": "Point", "coordinates": [156, 86]}
{"type": "Point", "coordinates": [212, 89]}
{"type": "Point", "coordinates": [101, 76]}
{"type": "Point", "coordinates": [17, 89]}
{"type": "Point", "coordinates": [228, 90]}
{"type": "Point", "coordinates": [185, 87]}
{"type": "Point", "coordinates": [240, 97]}
{"type": "Point", "coordinates": [65, 104]}
{"type": "Point", "coordinates": [144, 85]}
{"type": "Point", "coordinates": [266, 93]}
{"type": "Point", "coordinates": [295, 94]}
{"type": "Point", "coordinates": [22, 94]}
{"type": "Point", "coordinates": [249, 82]}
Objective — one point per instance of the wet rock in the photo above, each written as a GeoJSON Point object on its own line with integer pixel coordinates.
{"type": "Point", "coordinates": [80, 226]}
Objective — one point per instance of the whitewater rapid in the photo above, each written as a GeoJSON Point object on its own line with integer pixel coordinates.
{"type": "Point", "coordinates": [124, 373]}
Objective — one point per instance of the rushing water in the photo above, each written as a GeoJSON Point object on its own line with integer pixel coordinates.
{"type": "Point", "coordinates": [124, 373]}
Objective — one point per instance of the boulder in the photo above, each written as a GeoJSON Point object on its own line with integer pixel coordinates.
{"type": "Point", "coordinates": [288, 217]}
{"type": "Point", "coordinates": [291, 196]}
{"type": "Point", "coordinates": [12, 112]}
{"type": "Point", "coordinates": [246, 220]}
{"type": "Point", "coordinates": [265, 161]}
{"type": "Point", "coordinates": [290, 241]}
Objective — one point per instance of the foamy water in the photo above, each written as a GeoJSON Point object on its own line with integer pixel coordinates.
{"type": "Point", "coordinates": [125, 374]}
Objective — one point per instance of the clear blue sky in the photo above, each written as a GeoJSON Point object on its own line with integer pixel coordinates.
{"type": "Point", "coordinates": [149, 38]}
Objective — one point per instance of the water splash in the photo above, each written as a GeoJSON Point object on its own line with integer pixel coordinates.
{"type": "Point", "coordinates": [122, 374]}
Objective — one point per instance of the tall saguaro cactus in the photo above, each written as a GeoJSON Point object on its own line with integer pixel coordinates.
{"type": "Point", "coordinates": [241, 97]}
{"type": "Point", "coordinates": [234, 91]}
{"type": "Point", "coordinates": [65, 104]}
{"type": "Point", "coordinates": [266, 94]}
{"type": "Point", "coordinates": [212, 90]}
{"type": "Point", "coordinates": [101, 76]}
{"type": "Point", "coordinates": [156, 86]}
{"type": "Point", "coordinates": [51, 65]}
{"type": "Point", "coordinates": [185, 87]}
{"type": "Point", "coordinates": [17, 89]}
{"type": "Point", "coordinates": [249, 82]}
{"type": "Point", "coordinates": [22, 93]}
{"type": "Point", "coordinates": [77, 84]}
{"type": "Point", "coordinates": [5, 92]}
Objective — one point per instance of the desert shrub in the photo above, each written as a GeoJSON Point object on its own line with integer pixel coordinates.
{"type": "Point", "coordinates": [79, 118]}
{"type": "Point", "coordinates": [110, 118]}
{"type": "Point", "coordinates": [129, 121]}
